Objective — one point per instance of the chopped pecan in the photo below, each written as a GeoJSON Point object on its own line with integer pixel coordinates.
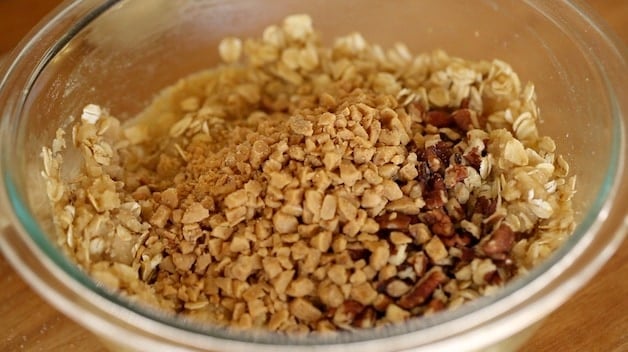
{"type": "Point", "coordinates": [365, 319]}
{"type": "Point", "coordinates": [493, 278]}
{"type": "Point", "coordinates": [439, 118]}
{"type": "Point", "coordinates": [474, 158]}
{"type": "Point", "coordinates": [330, 295]}
{"type": "Point", "coordinates": [436, 250]}
{"type": "Point", "coordinates": [455, 210]}
{"type": "Point", "coordinates": [436, 195]}
{"type": "Point", "coordinates": [467, 254]}
{"type": "Point", "coordinates": [419, 263]}
{"type": "Point", "coordinates": [347, 312]}
{"type": "Point", "coordinates": [460, 240]}
{"type": "Point", "coordinates": [433, 161]}
{"type": "Point", "coordinates": [396, 314]}
{"type": "Point", "coordinates": [393, 221]}
{"type": "Point", "coordinates": [455, 173]}
{"type": "Point", "coordinates": [381, 302]}
{"type": "Point", "coordinates": [423, 289]}
{"type": "Point", "coordinates": [443, 150]}
{"type": "Point", "coordinates": [363, 293]}
{"type": "Point", "coordinates": [397, 288]}
{"type": "Point", "coordinates": [440, 223]}
{"type": "Point", "coordinates": [358, 253]}
{"type": "Point", "coordinates": [436, 305]}
{"type": "Point", "coordinates": [485, 206]}
{"type": "Point", "coordinates": [425, 174]}
{"type": "Point", "coordinates": [462, 118]}
{"type": "Point", "coordinates": [304, 310]}
{"type": "Point", "coordinates": [500, 243]}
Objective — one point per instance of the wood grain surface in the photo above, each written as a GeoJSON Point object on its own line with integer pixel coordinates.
{"type": "Point", "coordinates": [595, 319]}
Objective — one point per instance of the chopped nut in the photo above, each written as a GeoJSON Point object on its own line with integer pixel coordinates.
{"type": "Point", "coordinates": [301, 126]}
{"type": "Point", "coordinates": [242, 268]}
{"type": "Point", "coordinates": [300, 287]}
{"type": "Point", "coordinates": [322, 241]}
{"type": "Point", "coordinates": [436, 250]}
{"type": "Point", "coordinates": [398, 238]}
{"type": "Point", "coordinates": [170, 198]}
{"type": "Point", "coordinates": [281, 281]}
{"type": "Point", "coordinates": [380, 256]}
{"type": "Point", "coordinates": [195, 213]}
{"type": "Point", "coordinates": [160, 216]}
{"type": "Point", "coordinates": [239, 244]}
{"type": "Point", "coordinates": [304, 310]}
{"type": "Point", "coordinates": [371, 199]}
{"type": "Point", "coordinates": [338, 274]}
{"type": "Point", "coordinates": [500, 242]}
{"type": "Point", "coordinates": [183, 262]}
{"type": "Point", "coordinates": [236, 199]}
{"type": "Point", "coordinates": [463, 119]}
{"type": "Point", "coordinates": [391, 190]}
{"type": "Point", "coordinates": [279, 319]}
{"type": "Point", "coordinates": [394, 313]}
{"type": "Point", "coordinates": [440, 223]}
{"type": "Point", "coordinates": [272, 267]}
{"type": "Point", "coordinates": [285, 223]}
{"type": "Point", "coordinates": [349, 174]}
{"type": "Point", "coordinates": [423, 289]}
{"type": "Point", "coordinates": [331, 295]}
{"type": "Point", "coordinates": [397, 288]}
{"type": "Point", "coordinates": [393, 221]}
{"type": "Point", "coordinates": [328, 208]}
{"type": "Point", "coordinates": [363, 293]}
{"type": "Point", "coordinates": [346, 313]}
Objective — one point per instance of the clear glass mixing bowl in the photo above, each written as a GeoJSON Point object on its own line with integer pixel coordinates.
{"type": "Point", "coordinates": [120, 53]}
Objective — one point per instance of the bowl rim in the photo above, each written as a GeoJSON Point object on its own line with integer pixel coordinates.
{"type": "Point", "coordinates": [439, 325]}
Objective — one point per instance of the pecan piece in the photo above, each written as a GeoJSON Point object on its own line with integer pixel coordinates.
{"type": "Point", "coordinates": [304, 310]}
{"type": "Point", "coordinates": [423, 289]}
{"type": "Point", "coordinates": [358, 253]}
{"type": "Point", "coordinates": [393, 221]}
{"type": "Point", "coordinates": [396, 288]}
{"type": "Point", "coordinates": [381, 302]}
{"type": "Point", "coordinates": [365, 319]}
{"type": "Point", "coordinates": [500, 243]}
{"type": "Point", "coordinates": [440, 223]}
{"type": "Point", "coordinates": [439, 118]}
{"type": "Point", "coordinates": [493, 278]}
{"type": "Point", "coordinates": [468, 254]}
{"type": "Point", "coordinates": [443, 150]}
{"type": "Point", "coordinates": [436, 195]}
{"type": "Point", "coordinates": [455, 173]}
{"type": "Point", "coordinates": [425, 174]}
{"type": "Point", "coordinates": [474, 158]}
{"type": "Point", "coordinates": [419, 262]}
{"type": "Point", "coordinates": [485, 206]}
{"type": "Point", "coordinates": [460, 240]}
{"type": "Point", "coordinates": [462, 118]}
{"type": "Point", "coordinates": [347, 312]}
{"type": "Point", "coordinates": [433, 161]}
{"type": "Point", "coordinates": [436, 305]}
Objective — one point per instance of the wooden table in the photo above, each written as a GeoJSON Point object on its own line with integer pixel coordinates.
{"type": "Point", "coordinates": [595, 319]}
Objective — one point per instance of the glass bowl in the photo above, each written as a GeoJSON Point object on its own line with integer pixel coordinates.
{"type": "Point", "coordinates": [119, 54]}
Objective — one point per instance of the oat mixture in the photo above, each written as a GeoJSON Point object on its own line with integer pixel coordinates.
{"type": "Point", "coordinates": [299, 187]}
